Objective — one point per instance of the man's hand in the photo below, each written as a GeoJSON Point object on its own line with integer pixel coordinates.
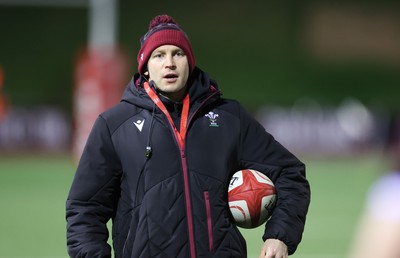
{"type": "Point", "coordinates": [274, 248]}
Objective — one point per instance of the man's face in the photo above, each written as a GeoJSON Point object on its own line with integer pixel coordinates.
{"type": "Point", "coordinates": [169, 68]}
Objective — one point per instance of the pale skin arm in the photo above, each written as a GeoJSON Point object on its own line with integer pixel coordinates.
{"type": "Point", "coordinates": [274, 248]}
{"type": "Point", "coordinates": [376, 238]}
{"type": "Point", "coordinates": [378, 231]}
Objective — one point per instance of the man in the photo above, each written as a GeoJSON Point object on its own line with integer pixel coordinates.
{"type": "Point", "coordinates": [159, 166]}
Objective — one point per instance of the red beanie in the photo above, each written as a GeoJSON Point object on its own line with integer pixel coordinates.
{"type": "Point", "coordinates": [163, 30]}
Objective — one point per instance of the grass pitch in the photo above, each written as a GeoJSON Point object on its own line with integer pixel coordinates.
{"type": "Point", "coordinates": [33, 191]}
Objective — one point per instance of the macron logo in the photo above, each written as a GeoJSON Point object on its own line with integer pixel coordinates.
{"type": "Point", "coordinates": [139, 124]}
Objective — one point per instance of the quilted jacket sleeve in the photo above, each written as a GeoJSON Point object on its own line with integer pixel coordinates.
{"type": "Point", "coordinates": [92, 196]}
{"type": "Point", "coordinates": [259, 150]}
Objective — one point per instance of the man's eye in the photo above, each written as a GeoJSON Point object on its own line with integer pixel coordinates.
{"type": "Point", "coordinates": [157, 55]}
{"type": "Point", "coordinates": [180, 54]}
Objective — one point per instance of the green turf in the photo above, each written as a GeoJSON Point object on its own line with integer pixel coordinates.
{"type": "Point", "coordinates": [33, 191]}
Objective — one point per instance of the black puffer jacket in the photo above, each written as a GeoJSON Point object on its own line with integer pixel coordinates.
{"type": "Point", "coordinates": [174, 202]}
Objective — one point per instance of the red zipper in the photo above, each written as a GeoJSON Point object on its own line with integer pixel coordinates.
{"type": "Point", "coordinates": [188, 204]}
{"type": "Point", "coordinates": [180, 137]}
{"type": "Point", "coordinates": [186, 181]}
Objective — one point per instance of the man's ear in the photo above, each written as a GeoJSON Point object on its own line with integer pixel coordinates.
{"type": "Point", "coordinates": [146, 72]}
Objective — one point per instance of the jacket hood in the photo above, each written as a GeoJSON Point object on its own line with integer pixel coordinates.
{"type": "Point", "coordinates": [200, 87]}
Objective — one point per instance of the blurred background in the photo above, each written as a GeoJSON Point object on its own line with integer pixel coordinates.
{"type": "Point", "coordinates": [322, 76]}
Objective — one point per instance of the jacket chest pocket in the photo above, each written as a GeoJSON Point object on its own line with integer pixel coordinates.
{"type": "Point", "coordinates": [209, 220]}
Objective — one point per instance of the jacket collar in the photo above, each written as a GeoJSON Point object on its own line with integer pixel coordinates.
{"type": "Point", "coordinates": [200, 87]}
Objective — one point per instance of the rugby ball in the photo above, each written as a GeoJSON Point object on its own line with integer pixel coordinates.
{"type": "Point", "coordinates": [251, 198]}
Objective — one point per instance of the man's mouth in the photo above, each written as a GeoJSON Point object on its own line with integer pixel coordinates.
{"type": "Point", "coordinates": [171, 76]}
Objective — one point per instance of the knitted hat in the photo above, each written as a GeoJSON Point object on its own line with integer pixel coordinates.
{"type": "Point", "coordinates": [163, 30]}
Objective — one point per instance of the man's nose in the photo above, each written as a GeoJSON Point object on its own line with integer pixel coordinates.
{"type": "Point", "coordinates": [170, 62]}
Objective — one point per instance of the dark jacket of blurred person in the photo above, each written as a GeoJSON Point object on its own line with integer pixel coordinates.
{"type": "Point", "coordinates": [166, 192]}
